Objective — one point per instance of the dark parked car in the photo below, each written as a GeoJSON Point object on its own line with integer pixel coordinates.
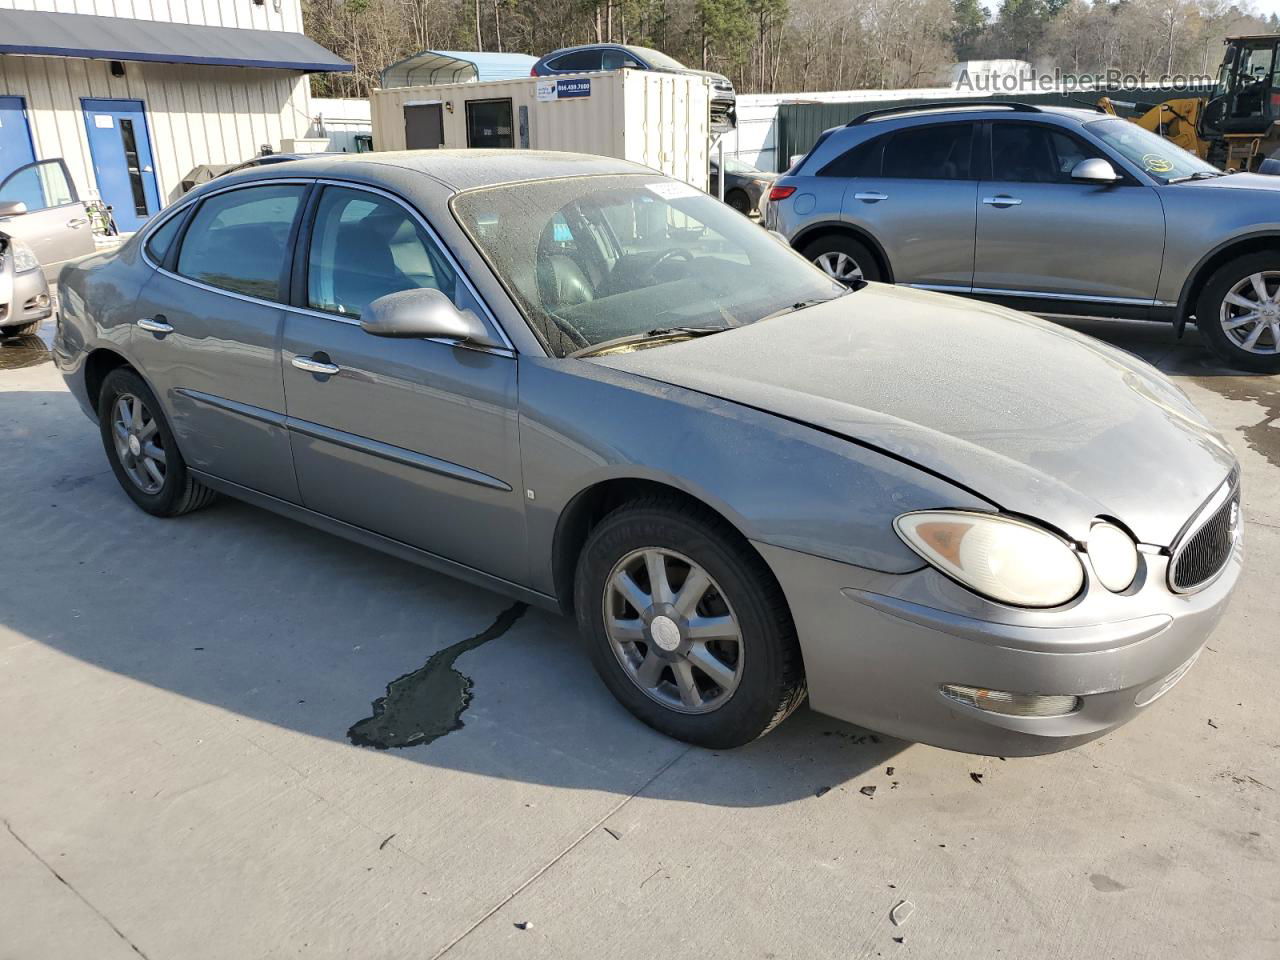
{"type": "Point", "coordinates": [744, 185]}
{"type": "Point", "coordinates": [597, 57]}
{"type": "Point", "coordinates": [599, 390]}
{"type": "Point", "coordinates": [1053, 210]}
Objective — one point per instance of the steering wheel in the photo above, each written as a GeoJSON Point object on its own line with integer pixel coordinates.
{"type": "Point", "coordinates": [672, 254]}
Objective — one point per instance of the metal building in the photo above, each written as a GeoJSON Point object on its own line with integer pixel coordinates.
{"type": "Point", "coordinates": [131, 95]}
{"type": "Point", "coordinates": [456, 66]}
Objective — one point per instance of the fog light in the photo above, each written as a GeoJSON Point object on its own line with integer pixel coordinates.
{"type": "Point", "coordinates": [1012, 704]}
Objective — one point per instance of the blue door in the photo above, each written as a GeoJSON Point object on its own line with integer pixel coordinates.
{"type": "Point", "coordinates": [15, 138]}
{"type": "Point", "coordinates": [122, 164]}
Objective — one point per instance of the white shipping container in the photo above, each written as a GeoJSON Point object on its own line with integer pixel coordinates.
{"type": "Point", "coordinates": [661, 120]}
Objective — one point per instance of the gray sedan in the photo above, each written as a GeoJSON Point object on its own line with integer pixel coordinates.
{"type": "Point", "coordinates": [600, 391]}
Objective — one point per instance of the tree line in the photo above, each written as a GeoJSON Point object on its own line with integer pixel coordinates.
{"type": "Point", "coordinates": [796, 45]}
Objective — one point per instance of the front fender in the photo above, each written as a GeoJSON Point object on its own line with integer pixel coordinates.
{"type": "Point", "coordinates": [777, 481]}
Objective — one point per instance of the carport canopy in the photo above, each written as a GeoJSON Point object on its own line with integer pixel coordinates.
{"type": "Point", "coordinates": [41, 34]}
{"type": "Point", "coordinates": [456, 66]}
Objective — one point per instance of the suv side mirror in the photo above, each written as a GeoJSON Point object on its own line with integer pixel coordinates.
{"type": "Point", "coordinates": [1094, 170]}
{"type": "Point", "coordinates": [421, 313]}
{"type": "Point", "coordinates": [12, 208]}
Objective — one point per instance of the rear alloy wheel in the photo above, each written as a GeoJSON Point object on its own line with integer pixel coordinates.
{"type": "Point", "coordinates": [843, 258]}
{"type": "Point", "coordinates": [1239, 313]}
{"type": "Point", "coordinates": [142, 450]}
{"type": "Point", "coordinates": [686, 625]}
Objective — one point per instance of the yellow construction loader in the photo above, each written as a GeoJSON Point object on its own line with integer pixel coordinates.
{"type": "Point", "coordinates": [1237, 127]}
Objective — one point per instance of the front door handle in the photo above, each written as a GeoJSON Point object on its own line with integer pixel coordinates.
{"type": "Point", "coordinates": [1002, 201]}
{"type": "Point", "coordinates": [312, 365]}
{"type": "Point", "coordinates": [75, 222]}
{"type": "Point", "coordinates": [155, 324]}
{"type": "Point", "coordinates": [871, 197]}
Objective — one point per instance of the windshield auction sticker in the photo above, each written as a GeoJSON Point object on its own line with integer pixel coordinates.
{"type": "Point", "coordinates": [672, 190]}
{"type": "Point", "coordinates": [1154, 163]}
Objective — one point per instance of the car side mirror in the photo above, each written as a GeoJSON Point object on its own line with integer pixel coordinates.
{"type": "Point", "coordinates": [12, 208]}
{"type": "Point", "coordinates": [421, 313]}
{"type": "Point", "coordinates": [1094, 170]}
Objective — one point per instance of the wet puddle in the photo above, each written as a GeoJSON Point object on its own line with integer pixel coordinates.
{"type": "Point", "coordinates": [424, 705]}
{"type": "Point", "coordinates": [1264, 436]}
{"type": "Point", "coordinates": [17, 353]}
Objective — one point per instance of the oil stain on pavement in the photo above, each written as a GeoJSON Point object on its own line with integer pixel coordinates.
{"type": "Point", "coordinates": [17, 353]}
{"type": "Point", "coordinates": [424, 705]}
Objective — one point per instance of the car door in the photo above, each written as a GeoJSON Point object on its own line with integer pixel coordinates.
{"type": "Point", "coordinates": [1041, 235]}
{"type": "Point", "coordinates": [55, 224]}
{"type": "Point", "coordinates": [913, 190]}
{"type": "Point", "coordinates": [412, 439]}
{"type": "Point", "coordinates": [207, 337]}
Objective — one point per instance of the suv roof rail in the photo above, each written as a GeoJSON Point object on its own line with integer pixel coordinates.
{"type": "Point", "coordinates": [1013, 105]}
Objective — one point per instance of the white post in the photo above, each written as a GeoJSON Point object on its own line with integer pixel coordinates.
{"type": "Point", "coordinates": [720, 168]}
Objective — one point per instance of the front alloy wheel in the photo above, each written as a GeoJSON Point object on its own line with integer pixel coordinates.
{"type": "Point", "coordinates": [686, 625]}
{"type": "Point", "coordinates": [1250, 314]}
{"type": "Point", "coordinates": [672, 630]}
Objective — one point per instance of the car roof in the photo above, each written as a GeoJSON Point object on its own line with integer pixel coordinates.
{"type": "Point", "coordinates": [455, 169]}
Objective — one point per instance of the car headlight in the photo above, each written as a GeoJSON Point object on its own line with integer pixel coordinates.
{"type": "Point", "coordinates": [24, 258]}
{"type": "Point", "coordinates": [1114, 556]}
{"type": "Point", "coordinates": [1005, 559]}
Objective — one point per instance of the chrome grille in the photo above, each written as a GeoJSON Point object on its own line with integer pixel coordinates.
{"type": "Point", "coordinates": [1206, 545]}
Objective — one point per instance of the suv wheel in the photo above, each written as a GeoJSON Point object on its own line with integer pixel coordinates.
{"type": "Point", "coordinates": [686, 626]}
{"type": "Point", "coordinates": [1239, 313]}
{"type": "Point", "coordinates": [142, 451]}
{"type": "Point", "coordinates": [843, 258]}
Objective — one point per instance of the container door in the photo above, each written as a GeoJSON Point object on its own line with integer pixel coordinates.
{"type": "Point", "coordinates": [15, 137]}
{"type": "Point", "coordinates": [423, 126]}
{"type": "Point", "coordinates": [121, 152]}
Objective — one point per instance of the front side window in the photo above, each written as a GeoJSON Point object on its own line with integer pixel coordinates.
{"type": "Point", "coordinates": [363, 247]}
{"type": "Point", "coordinates": [1032, 153]}
{"type": "Point", "coordinates": [936, 152]}
{"type": "Point", "coordinates": [239, 240]}
{"type": "Point", "coordinates": [594, 259]}
{"type": "Point", "coordinates": [39, 185]}
{"type": "Point", "coordinates": [620, 59]}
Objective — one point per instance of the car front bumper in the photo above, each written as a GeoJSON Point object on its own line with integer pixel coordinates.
{"type": "Point", "coordinates": [28, 300]}
{"type": "Point", "coordinates": [879, 647]}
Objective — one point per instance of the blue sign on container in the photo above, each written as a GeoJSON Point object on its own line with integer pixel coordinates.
{"type": "Point", "coordinates": [574, 87]}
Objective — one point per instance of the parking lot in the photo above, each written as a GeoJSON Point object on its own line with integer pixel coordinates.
{"type": "Point", "coordinates": [178, 777]}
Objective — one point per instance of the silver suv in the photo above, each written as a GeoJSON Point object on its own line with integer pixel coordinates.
{"type": "Point", "coordinates": [1056, 211]}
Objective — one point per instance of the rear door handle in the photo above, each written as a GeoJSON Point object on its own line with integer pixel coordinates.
{"type": "Point", "coordinates": [77, 222]}
{"type": "Point", "coordinates": [155, 324]}
{"type": "Point", "coordinates": [1002, 201]}
{"type": "Point", "coordinates": [871, 197]}
{"type": "Point", "coordinates": [312, 365]}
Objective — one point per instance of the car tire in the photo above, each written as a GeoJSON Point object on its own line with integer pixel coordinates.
{"type": "Point", "coordinates": [26, 330]}
{"type": "Point", "coordinates": [651, 660]}
{"type": "Point", "coordinates": [739, 200]}
{"type": "Point", "coordinates": [843, 258]}
{"type": "Point", "coordinates": [138, 432]}
{"type": "Point", "coordinates": [1215, 313]}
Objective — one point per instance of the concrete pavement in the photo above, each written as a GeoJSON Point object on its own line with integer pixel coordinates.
{"type": "Point", "coordinates": [176, 779]}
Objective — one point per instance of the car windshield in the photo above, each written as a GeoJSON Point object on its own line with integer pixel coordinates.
{"type": "Point", "coordinates": [1154, 154]}
{"type": "Point", "coordinates": [657, 59]}
{"type": "Point", "coordinates": [595, 259]}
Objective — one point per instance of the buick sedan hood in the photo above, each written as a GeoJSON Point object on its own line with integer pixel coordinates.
{"type": "Point", "coordinates": [1035, 418]}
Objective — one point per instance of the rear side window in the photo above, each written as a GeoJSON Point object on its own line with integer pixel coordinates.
{"type": "Point", "coordinates": [937, 152]}
{"type": "Point", "coordinates": [239, 240]}
{"type": "Point", "coordinates": [860, 161]}
{"type": "Point", "coordinates": [578, 60]}
{"type": "Point", "coordinates": [363, 247]}
{"type": "Point", "coordinates": [161, 240]}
